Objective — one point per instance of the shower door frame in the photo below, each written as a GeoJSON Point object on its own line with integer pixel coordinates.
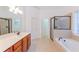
{"type": "Point", "coordinates": [63, 28]}
{"type": "Point", "coordinates": [9, 24]}
{"type": "Point", "coordinates": [51, 29]}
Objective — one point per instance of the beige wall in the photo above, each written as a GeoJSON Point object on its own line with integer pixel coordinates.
{"type": "Point", "coordinates": [75, 37]}
{"type": "Point", "coordinates": [30, 21]}
{"type": "Point", "coordinates": [46, 13]}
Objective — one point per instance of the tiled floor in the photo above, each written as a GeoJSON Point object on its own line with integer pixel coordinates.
{"type": "Point", "coordinates": [45, 45]}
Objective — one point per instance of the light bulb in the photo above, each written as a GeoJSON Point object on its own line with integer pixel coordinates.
{"type": "Point", "coordinates": [15, 9]}
{"type": "Point", "coordinates": [20, 12]}
{"type": "Point", "coordinates": [12, 7]}
{"type": "Point", "coordinates": [11, 10]}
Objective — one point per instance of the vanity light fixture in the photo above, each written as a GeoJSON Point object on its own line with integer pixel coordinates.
{"type": "Point", "coordinates": [11, 8]}
{"type": "Point", "coordinates": [15, 10]}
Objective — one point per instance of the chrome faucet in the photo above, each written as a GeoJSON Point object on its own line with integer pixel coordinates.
{"type": "Point", "coordinates": [60, 38]}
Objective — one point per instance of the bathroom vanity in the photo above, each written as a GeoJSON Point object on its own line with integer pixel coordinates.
{"type": "Point", "coordinates": [15, 43]}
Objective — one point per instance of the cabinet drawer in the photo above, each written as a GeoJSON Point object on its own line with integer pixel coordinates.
{"type": "Point", "coordinates": [19, 49]}
{"type": "Point", "coordinates": [19, 43]}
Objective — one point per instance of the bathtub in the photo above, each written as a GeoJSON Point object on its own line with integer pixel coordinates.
{"type": "Point", "coordinates": [69, 45]}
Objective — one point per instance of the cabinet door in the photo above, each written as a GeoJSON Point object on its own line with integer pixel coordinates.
{"type": "Point", "coordinates": [29, 40]}
{"type": "Point", "coordinates": [9, 49]}
{"type": "Point", "coordinates": [19, 49]}
{"type": "Point", "coordinates": [25, 44]}
{"type": "Point", "coordinates": [18, 44]}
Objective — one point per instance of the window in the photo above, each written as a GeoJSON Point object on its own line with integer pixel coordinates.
{"type": "Point", "coordinates": [75, 23]}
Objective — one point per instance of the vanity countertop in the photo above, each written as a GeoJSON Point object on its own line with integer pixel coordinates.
{"type": "Point", "coordinates": [8, 40]}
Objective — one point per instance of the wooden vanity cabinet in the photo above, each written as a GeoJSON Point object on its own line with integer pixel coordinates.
{"type": "Point", "coordinates": [25, 45]}
{"type": "Point", "coordinates": [9, 49]}
{"type": "Point", "coordinates": [29, 40]}
{"type": "Point", "coordinates": [26, 42]}
{"type": "Point", "coordinates": [21, 46]}
{"type": "Point", "coordinates": [18, 46]}
{"type": "Point", "coordinates": [19, 49]}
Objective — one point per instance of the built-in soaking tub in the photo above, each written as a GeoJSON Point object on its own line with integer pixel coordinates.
{"type": "Point", "coordinates": [69, 44]}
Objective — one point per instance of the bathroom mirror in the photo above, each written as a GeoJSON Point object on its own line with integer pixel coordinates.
{"type": "Point", "coordinates": [62, 22]}
{"type": "Point", "coordinates": [5, 26]}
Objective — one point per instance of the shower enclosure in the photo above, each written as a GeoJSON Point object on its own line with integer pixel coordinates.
{"type": "Point", "coordinates": [5, 26]}
{"type": "Point", "coordinates": [59, 23]}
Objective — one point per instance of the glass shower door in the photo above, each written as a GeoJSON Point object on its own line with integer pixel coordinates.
{"type": "Point", "coordinates": [4, 28]}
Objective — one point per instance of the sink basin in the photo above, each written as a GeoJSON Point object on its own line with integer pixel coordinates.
{"type": "Point", "coordinates": [8, 36]}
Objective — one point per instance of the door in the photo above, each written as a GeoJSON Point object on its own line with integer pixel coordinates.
{"type": "Point", "coordinates": [25, 44]}
{"type": "Point", "coordinates": [3, 26]}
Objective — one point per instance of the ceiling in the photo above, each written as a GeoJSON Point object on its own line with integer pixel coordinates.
{"type": "Point", "coordinates": [57, 7]}
{"type": "Point", "coordinates": [57, 10]}
{"type": "Point", "coordinates": [52, 10]}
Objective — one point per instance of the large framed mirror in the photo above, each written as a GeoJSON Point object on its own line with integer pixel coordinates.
{"type": "Point", "coordinates": [5, 25]}
{"type": "Point", "coordinates": [62, 22]}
